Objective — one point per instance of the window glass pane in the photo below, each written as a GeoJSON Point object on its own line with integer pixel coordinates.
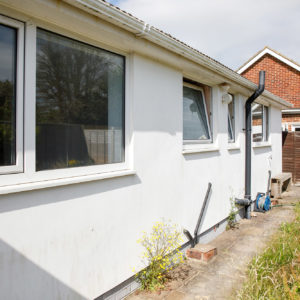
{"type": "Point", "coordinates": [79, 104]}
{"type": "Point", "coordinates": [230, 132]}
{"type": "Point", "coordinates": [257, 122]}
{"type": "Point", "coordinates": [231, 121]}
{"type": "Point", "coordinates": [266, 123]}
{"type": "Point", "coordinates": [195, 125]}
{"type": "Point", "coordinates": [8, 48]}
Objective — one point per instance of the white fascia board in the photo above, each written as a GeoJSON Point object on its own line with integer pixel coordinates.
{"type": "Point", "coordinates": [291, 111]}
{"type": "Point", "coordinates": [272, 53]}
{"type": "Point", "coordinates": [141, 29]}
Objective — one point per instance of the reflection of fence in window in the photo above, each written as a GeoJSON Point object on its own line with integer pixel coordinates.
{"type": "Point", "coordinates": [71, 145]}
{"type": "Point", "coordinates": [104, 145]}
{"type": "Point", "coordinates": [257, 128]}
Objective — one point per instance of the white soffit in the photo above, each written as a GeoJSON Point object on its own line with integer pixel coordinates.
{"type": "Point", "coordinates": [272, 53]}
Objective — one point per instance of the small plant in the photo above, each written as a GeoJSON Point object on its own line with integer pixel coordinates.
{"type": "Point", "coordinates": [231, 220]}
{"type": "Point", "coordinates": [161, 254]}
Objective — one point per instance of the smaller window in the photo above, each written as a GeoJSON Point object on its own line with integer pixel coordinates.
{"type": "Point", "coordinates": [196, 125]}
{"type": "Point", "coordinates": [295, 127]}
{"type": "Point", "coordinates": [231, 123]}
{"type": "Point", "coordinates": [260, 122]}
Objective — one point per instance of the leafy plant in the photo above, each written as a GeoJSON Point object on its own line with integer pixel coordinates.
{"type": "Point", "coordinates": [161, 254]}
{"type": "Point", "coordinates": [231, 220]}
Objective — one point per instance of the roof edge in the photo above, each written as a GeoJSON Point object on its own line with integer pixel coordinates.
{"type": "Point", "coordinates": [264, 51]}
{"type": "Point", "coordinates": [141, 29]}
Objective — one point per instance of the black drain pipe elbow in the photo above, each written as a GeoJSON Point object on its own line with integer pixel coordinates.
{"type": "Point", "coordinates": [242, 201]}
{"type": "Point", "coordinates": [248, 140]}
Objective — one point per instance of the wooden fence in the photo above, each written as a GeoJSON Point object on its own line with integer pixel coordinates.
{"type": "Point", "coordinates": [291, 154]}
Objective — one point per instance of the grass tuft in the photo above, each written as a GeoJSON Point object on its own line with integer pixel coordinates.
{"type": "Point", "coordinates": [275, 274]}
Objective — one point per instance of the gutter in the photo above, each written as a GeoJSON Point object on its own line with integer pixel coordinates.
{"type": "Point", "coordinates": [291, 111]}
{"type": "Point", "coordinates": [139, 28]}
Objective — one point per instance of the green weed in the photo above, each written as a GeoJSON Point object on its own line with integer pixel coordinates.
{"type": "Point", "coordinates": [275, 274]}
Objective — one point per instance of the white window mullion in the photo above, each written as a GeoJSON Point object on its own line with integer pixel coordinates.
{"type": "Point", "coordinates": [29, 109]}
{"type": "Point", "coordinates": [20, 99]}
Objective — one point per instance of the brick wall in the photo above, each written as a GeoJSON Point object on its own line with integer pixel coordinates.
{"type": "Point", "coordinates": [281, 79]}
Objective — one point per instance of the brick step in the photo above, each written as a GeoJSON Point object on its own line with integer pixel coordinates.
{"type": "Point", "coordinates": [202, 252]}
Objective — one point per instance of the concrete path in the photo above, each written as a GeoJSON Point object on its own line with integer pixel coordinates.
{"type": "Point", "coordinates": [219, 278]}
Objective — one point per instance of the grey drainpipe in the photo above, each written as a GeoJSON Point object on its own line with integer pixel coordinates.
{"type": "Point", "coordinates": [248, 123]}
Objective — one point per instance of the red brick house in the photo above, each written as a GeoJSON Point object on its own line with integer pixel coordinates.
{"type": "Point", "coordinates": [283, 80]}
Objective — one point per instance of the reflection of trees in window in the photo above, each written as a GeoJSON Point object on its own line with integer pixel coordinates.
{"type": "Point", "coordinates": [77, 88]}
{"type": "Point", "coordinates": [7, 124]}
{"type": "Point", "coordinates": [231, 122]}
{"type": "Point", "coordinates": [8, 42]}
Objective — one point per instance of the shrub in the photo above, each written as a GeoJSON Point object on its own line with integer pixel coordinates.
{"type": "Point", "coordinates": [161, 254]}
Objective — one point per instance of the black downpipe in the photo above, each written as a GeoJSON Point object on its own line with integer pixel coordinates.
{"type": "Point", "coordinates": [190, 238]}
{"type": "Point", "coordinates": [201, 214]}
{"type": "Point", "coordinates": [194, 240]}
{"type": "Point", "coordinates": [248, 124]}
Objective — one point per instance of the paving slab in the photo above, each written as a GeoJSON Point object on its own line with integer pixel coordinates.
{"type": "Point", "coordinates": [219, 278]}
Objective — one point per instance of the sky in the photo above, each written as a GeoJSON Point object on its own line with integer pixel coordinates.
{"type": "Point", "coordinates": [230, 31]}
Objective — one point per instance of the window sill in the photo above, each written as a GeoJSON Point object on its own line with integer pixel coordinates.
{"type": "Point", "coordinates": [36, 185]}
{"type": "Point", "coordinates": [200, 150]}
{"type": "Point", "coordinates": [261, 144]}
{"type": "Point", "coordinates": [233, 147]}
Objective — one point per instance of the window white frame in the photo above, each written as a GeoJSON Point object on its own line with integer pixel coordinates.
{"type": "Point", "coordinates": [207, 118]}
{"type": "Point", "coordinates": [295, 126]}
{"type": "Point", "coordinates": [266, 117]}
{"type": "Point", "coordinates": [265, 123]}
{"type": "Point", "coordinates": [231, 122]}
{"type": "Point", "coordinates": [19, 26]}
{"type": "Point", "coordinates": [30, 179]}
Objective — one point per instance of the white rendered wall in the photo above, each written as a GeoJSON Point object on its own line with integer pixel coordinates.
{"type": "Point", "coordinates": [79, 241]}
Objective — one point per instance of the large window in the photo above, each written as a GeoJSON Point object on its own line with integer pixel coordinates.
{"type": "Point", "coordinates": [260, 122]}
{"type": "Point", "coordinates": [79, 104]}
{"type": "Point", "coordinates": [11, 91]}
{"type": "Point", "coordinates": [231, 121]}
{"type": "Point", "coordinates": [196, 125]}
